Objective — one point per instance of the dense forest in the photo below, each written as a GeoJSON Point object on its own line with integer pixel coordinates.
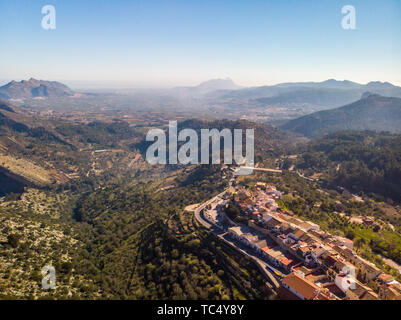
{"type": "Point", "coordinates": [359, 161]}
{"type": "Point", "coordinates": [141, 245]}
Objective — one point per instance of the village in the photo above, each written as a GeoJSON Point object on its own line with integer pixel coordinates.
{"type": "Point", "coordinates": [309, 263]}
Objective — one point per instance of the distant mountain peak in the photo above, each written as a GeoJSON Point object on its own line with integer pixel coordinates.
{"type": "Point", "coordinates": [335, 81]}
{"type": "Point", "coordinates": [380, 85]}
{"type": "Point", "coordinates": [219, 84]}
{"type": "Point", "coordinates": [33, 80]}
{"type": "Point", "coordinates": [380, 82]}
{"type": "Point", "coordinates": [208, 87]}
{"type": "Point", "coordinates": [32, 88]}
{"type": "Point", "coordinates": [369, 94]}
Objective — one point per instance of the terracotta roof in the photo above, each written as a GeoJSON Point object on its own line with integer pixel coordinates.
{"type": "Point", "coordinates": [285, 294]}
{"type": "Point", "coordinates": [268, 247]}
{"type": "Point", "coordinates": [302, 286]}
{"type": "Point", "coordinates": [288, 261]}
{"type": "Point", "coordinates": [304, 249]}
{"type": "Point", "coordinates": [273, 223]}
{"type": "Point", "coordinates": [298, 233]}
{"type": "Point", "coordinates": [285, 261]}
{"type": "Point", "coordinates": [385, 277]}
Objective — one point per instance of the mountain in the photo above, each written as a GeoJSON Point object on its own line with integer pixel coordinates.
{"type": "Point", "coordinates": [32, 88]}
{"type": "Point", "coordinates": [329, 97]}
{"type": "Point", "coordinates": [207, 87]}
{"type": "Point", "coordinates": [372, 112]}
{"type": "Point", "coordinates": [328, 84]}
{"type": "Point", "coordinates": [327, 94]}
{"type": "Point", "coordinates": [218, 84]}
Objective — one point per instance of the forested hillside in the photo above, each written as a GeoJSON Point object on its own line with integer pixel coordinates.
{"type": "Point", "coordinates": [360, 161]}
{"type": "Point", "coordinates": [372, 112]}
{"type": "Point", "coordinates": [120, 222]}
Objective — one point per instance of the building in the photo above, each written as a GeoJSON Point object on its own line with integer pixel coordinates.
{"type": "Point", "coordinates": [334, 270]}
{"type": "Point", "coordinates": [385, 278]}
{"type": "Point", "coordinates": [287, 261]}
{"type": "Point", "coordinates": [390, 291]}
{"type": "Point", "coordinates": [300, 287]}
{"type": "Point", "coordinates": [308, 226]}
{"type": "Point", "coordinates": [238, 232]}
{"type": "Point", "coordinates": [366, 270]}
{"type": "Point", "coordinates": [345, 242]}
{"type": "Point", "coordinates": [297, 234]}
{"type": "Point", "coordinates": [273, 224]}
{"type": "Point", "coordinates": [344, 282]}
{"type": "Point", "coordinates": [361, 292]}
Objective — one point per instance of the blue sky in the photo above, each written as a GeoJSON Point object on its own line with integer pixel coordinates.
{"type": "Point", "coordinates": [183, 42]}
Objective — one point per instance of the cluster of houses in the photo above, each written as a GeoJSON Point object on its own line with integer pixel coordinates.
{"type": "Point", "coordinates": [318, 265]}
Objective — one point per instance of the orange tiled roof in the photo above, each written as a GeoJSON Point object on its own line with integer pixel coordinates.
{"type": "Point", "coordinates": [304, 287]}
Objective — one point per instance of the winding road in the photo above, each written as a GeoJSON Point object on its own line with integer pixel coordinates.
{"type": "Point", "coordinates": [265, 268]}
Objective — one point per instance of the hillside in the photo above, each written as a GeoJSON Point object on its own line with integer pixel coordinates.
{"type": "Point", "coordinates": [5, 106]}
{"type": "Point", "coordinates": [367, 162]}
{"type": "Point", "coordinates": [344, 90]}
{"type": "Point", "coordinates": [33, 88]}
{"type": "Point", "coordinates": [330, 97]}
{"type": "Point", "coordinates": [120, 232]}
{"type": "Point", "coordinates": [269, 142]}
{"type": "Point", "coordinates": [127, 238]}
{"type": "Point", "coordinates": [38, 152]}
{"type": "Point", "coordinates": [116, 227]}
{"type": "Point", "coordinates": [372, 112]}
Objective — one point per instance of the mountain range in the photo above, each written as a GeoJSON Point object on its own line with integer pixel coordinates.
{"type": "Point", "coordinates": [327, 94]}
{"type": "Point", "coordinates": [33, 88]}
{"type": "Point", "coordinates": [372, 112]}
{"type": "Point", "coordinates": [323, 95]}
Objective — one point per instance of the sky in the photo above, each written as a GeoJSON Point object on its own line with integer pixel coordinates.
{"type": "Point", "coordinates": [164, 43]}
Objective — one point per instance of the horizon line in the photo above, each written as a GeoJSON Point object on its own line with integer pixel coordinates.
{"type": "Point", "coordinates": [133, 84]}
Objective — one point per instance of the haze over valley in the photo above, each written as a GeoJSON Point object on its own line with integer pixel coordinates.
{"type": "Point", "coordinates": [211, 151]}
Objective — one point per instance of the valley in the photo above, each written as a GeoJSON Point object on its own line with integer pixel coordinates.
{"type": "Point", "coordinates": [77, 192]}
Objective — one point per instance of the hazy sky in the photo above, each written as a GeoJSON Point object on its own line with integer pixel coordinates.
{"type": "Point", "coordinates": [150, 42]}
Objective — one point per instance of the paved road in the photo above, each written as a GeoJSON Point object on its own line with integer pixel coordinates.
{"type": "Point", "coordinates": [198, 210]}
{"type": "Point", "coordinates": [266, 269]}
{"type": "Point", "coordinates": [263, 266]}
